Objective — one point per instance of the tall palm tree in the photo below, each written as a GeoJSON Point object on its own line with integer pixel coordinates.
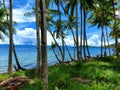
{"type": "Point", "coordinates": [44, 74]}
{"type": "Point", "coordinates": [71, 7]}
{"type": "Point", "coordinates": [6, 27]}
{"type": "Point", "coordinates": [10, 41]}
{"type": "Point", "coordinates": [38, 39]}
{"type": "Point", "coordinates": [100, 17]}
{"type": "Point", "coordinates": [116, 34]}
{"type": "Point", "coordinates": [60, 31]}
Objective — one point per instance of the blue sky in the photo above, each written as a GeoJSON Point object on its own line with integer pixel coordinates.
{"type": "Point", "coordinates": [25, 27]}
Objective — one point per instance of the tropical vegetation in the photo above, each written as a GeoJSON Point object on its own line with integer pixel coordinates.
{"type": "Point", "coordinates": [98, 74]}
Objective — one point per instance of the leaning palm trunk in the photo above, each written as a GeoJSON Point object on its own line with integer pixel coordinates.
{"type": "Point", "coordinates": [108, 41]}
{"type": "Point", "coordinates": [19, 67]}
{"type": "Point", "coordinates": [86, 36]}
{"type": "Point", "coordinates": [44, 74]}
{"type": "Point", "coordinates": [56, 43]}
{"type": "Point", "coordinates": [71, 29]}
{"type": "Point", "coordinates": [69, 52]}
{"type": "Point", "coordinates": [11, 42]}
{"type": "Point", "coordinates": [61, 33]}
{"type": "Point", "coordinates": [56, 55]}
{"type": "Point", "coordinates": [37, 73]}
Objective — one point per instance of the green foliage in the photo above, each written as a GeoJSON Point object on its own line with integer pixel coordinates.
{"type": "Point", "coordinates": [19, 73]}
{"type": "Point", "coordinates": [99, 74]}
{"type": "Point", "coordinates": [36, 85]}
{"type": "Point", "coordinates": [3, 77]}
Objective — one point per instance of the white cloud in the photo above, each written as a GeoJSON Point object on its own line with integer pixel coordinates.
{"type": "Point", "coordinates": [18, 14]}
{"type": "Point", "coordinates": [28, 37]}
{"type": "Point", "coordinates": [117, 12]}
{"type": "Point", "coordinates": [94, 40]}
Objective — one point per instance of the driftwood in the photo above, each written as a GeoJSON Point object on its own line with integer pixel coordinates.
{"type": "Point", "coordinates": [14, 83]}
{"type": "Point", "coordinates": [83, 81]}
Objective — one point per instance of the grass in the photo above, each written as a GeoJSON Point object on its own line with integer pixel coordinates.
{"type": "Point", "coordinates": [97, 74]}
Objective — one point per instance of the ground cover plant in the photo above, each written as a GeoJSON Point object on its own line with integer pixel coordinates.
{"type": "Point", "coordinates": [94, 74]}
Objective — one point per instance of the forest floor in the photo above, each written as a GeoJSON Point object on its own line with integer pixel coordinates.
{"type": "Point", "coordinates": [95, 74]}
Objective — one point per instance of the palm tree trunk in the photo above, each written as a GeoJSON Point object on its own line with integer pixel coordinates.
{"type": "Point", "coordinates": [81, 30]}
{"type": "Point", "coordinates": [69, 52]}
{"type": "Point", "coordinates": [77, 41]}
{"type": "Point", "coordinates": [84, 34]}
{"type": "Point", "coordinates": [61, 33]}
{"type": "Point", "coordinates": [44, 74]}
{"type": "Point", "coordinates": [19, 67]}
{"type": "Point", "coordinates": [37, 73]}
{"type": "Point", "coordinates": [102, 42]}
{"type": "Point", "coordinates": [11, 42]}
{"type": "Point", "coordinates": [74, 41]}
{"type": "Point", "coordinates": [56, 43]}
{"type": "Point", "coordinates": [56, 56]}
{"type": "Point", "coordinates": [108, 41]}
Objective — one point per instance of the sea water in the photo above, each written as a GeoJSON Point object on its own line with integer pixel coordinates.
{"type": "Point", "coordinates": [27, 55]}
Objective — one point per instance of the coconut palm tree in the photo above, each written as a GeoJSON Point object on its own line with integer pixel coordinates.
{"type": "Point", "coordinates": [44, 74]}
{"type": "Point", "coordinates": [100, 17]}
{"type": "Point", "coordinates": [116, 34]}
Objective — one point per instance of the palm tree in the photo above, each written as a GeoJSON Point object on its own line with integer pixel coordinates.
{"type": "Point", "coordinates": [100, 17]}
{"type": "Point", "coordinates": [71, 7]}
{"type": "Point", "coordinates": [6, 28]}
{"type": "Point", "coordinates": [38, 40]}
{"type": "Point", "coordinates": [116, 34]}
{"type": "Point", "coordinates": [4, 24]}
{"type": "Point", "coordinates": [60, 31]}
{"type": "Point", "coordinates": [44, 74]}
{"type": "Point", "coordinates": [11, 42]}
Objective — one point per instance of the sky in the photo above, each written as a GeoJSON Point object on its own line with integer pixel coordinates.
{"type": "Point", "coordinates": [26, 27]}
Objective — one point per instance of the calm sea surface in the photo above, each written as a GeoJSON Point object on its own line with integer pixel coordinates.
{"type": "Point", "coordinates": [27, 55]}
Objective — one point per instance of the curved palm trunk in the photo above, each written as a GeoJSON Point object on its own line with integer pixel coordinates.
{"type": "Point", "coordinates": [61, 33]}
{"type": "Point", "coordinates": [68, 52]}
{"type": "Point", "coordinates": [56, 56]}
{"type": "Point", "coordinates": [86, 36]}
{"type": "Point", "coordinates": [44, 74]}
{"type": "Point", "coordinates": [74, 41]}
{"type": "Point", "coordinates": [19, 67]}
{"type": "Point", "coordinates": [37, 73]}
{"type": "Point", "coordinates": [11, 42]}
{"type": "Point", "coordinates": [108, 41]}
{"type": "Point", "coordinates": [56, 43]}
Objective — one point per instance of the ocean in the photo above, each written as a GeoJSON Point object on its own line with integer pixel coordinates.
{"type": "Point", "coordinates": [27, 55]}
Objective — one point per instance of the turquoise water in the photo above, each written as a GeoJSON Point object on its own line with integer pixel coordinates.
{"type": "Point", "coordinates": [27, 55]}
